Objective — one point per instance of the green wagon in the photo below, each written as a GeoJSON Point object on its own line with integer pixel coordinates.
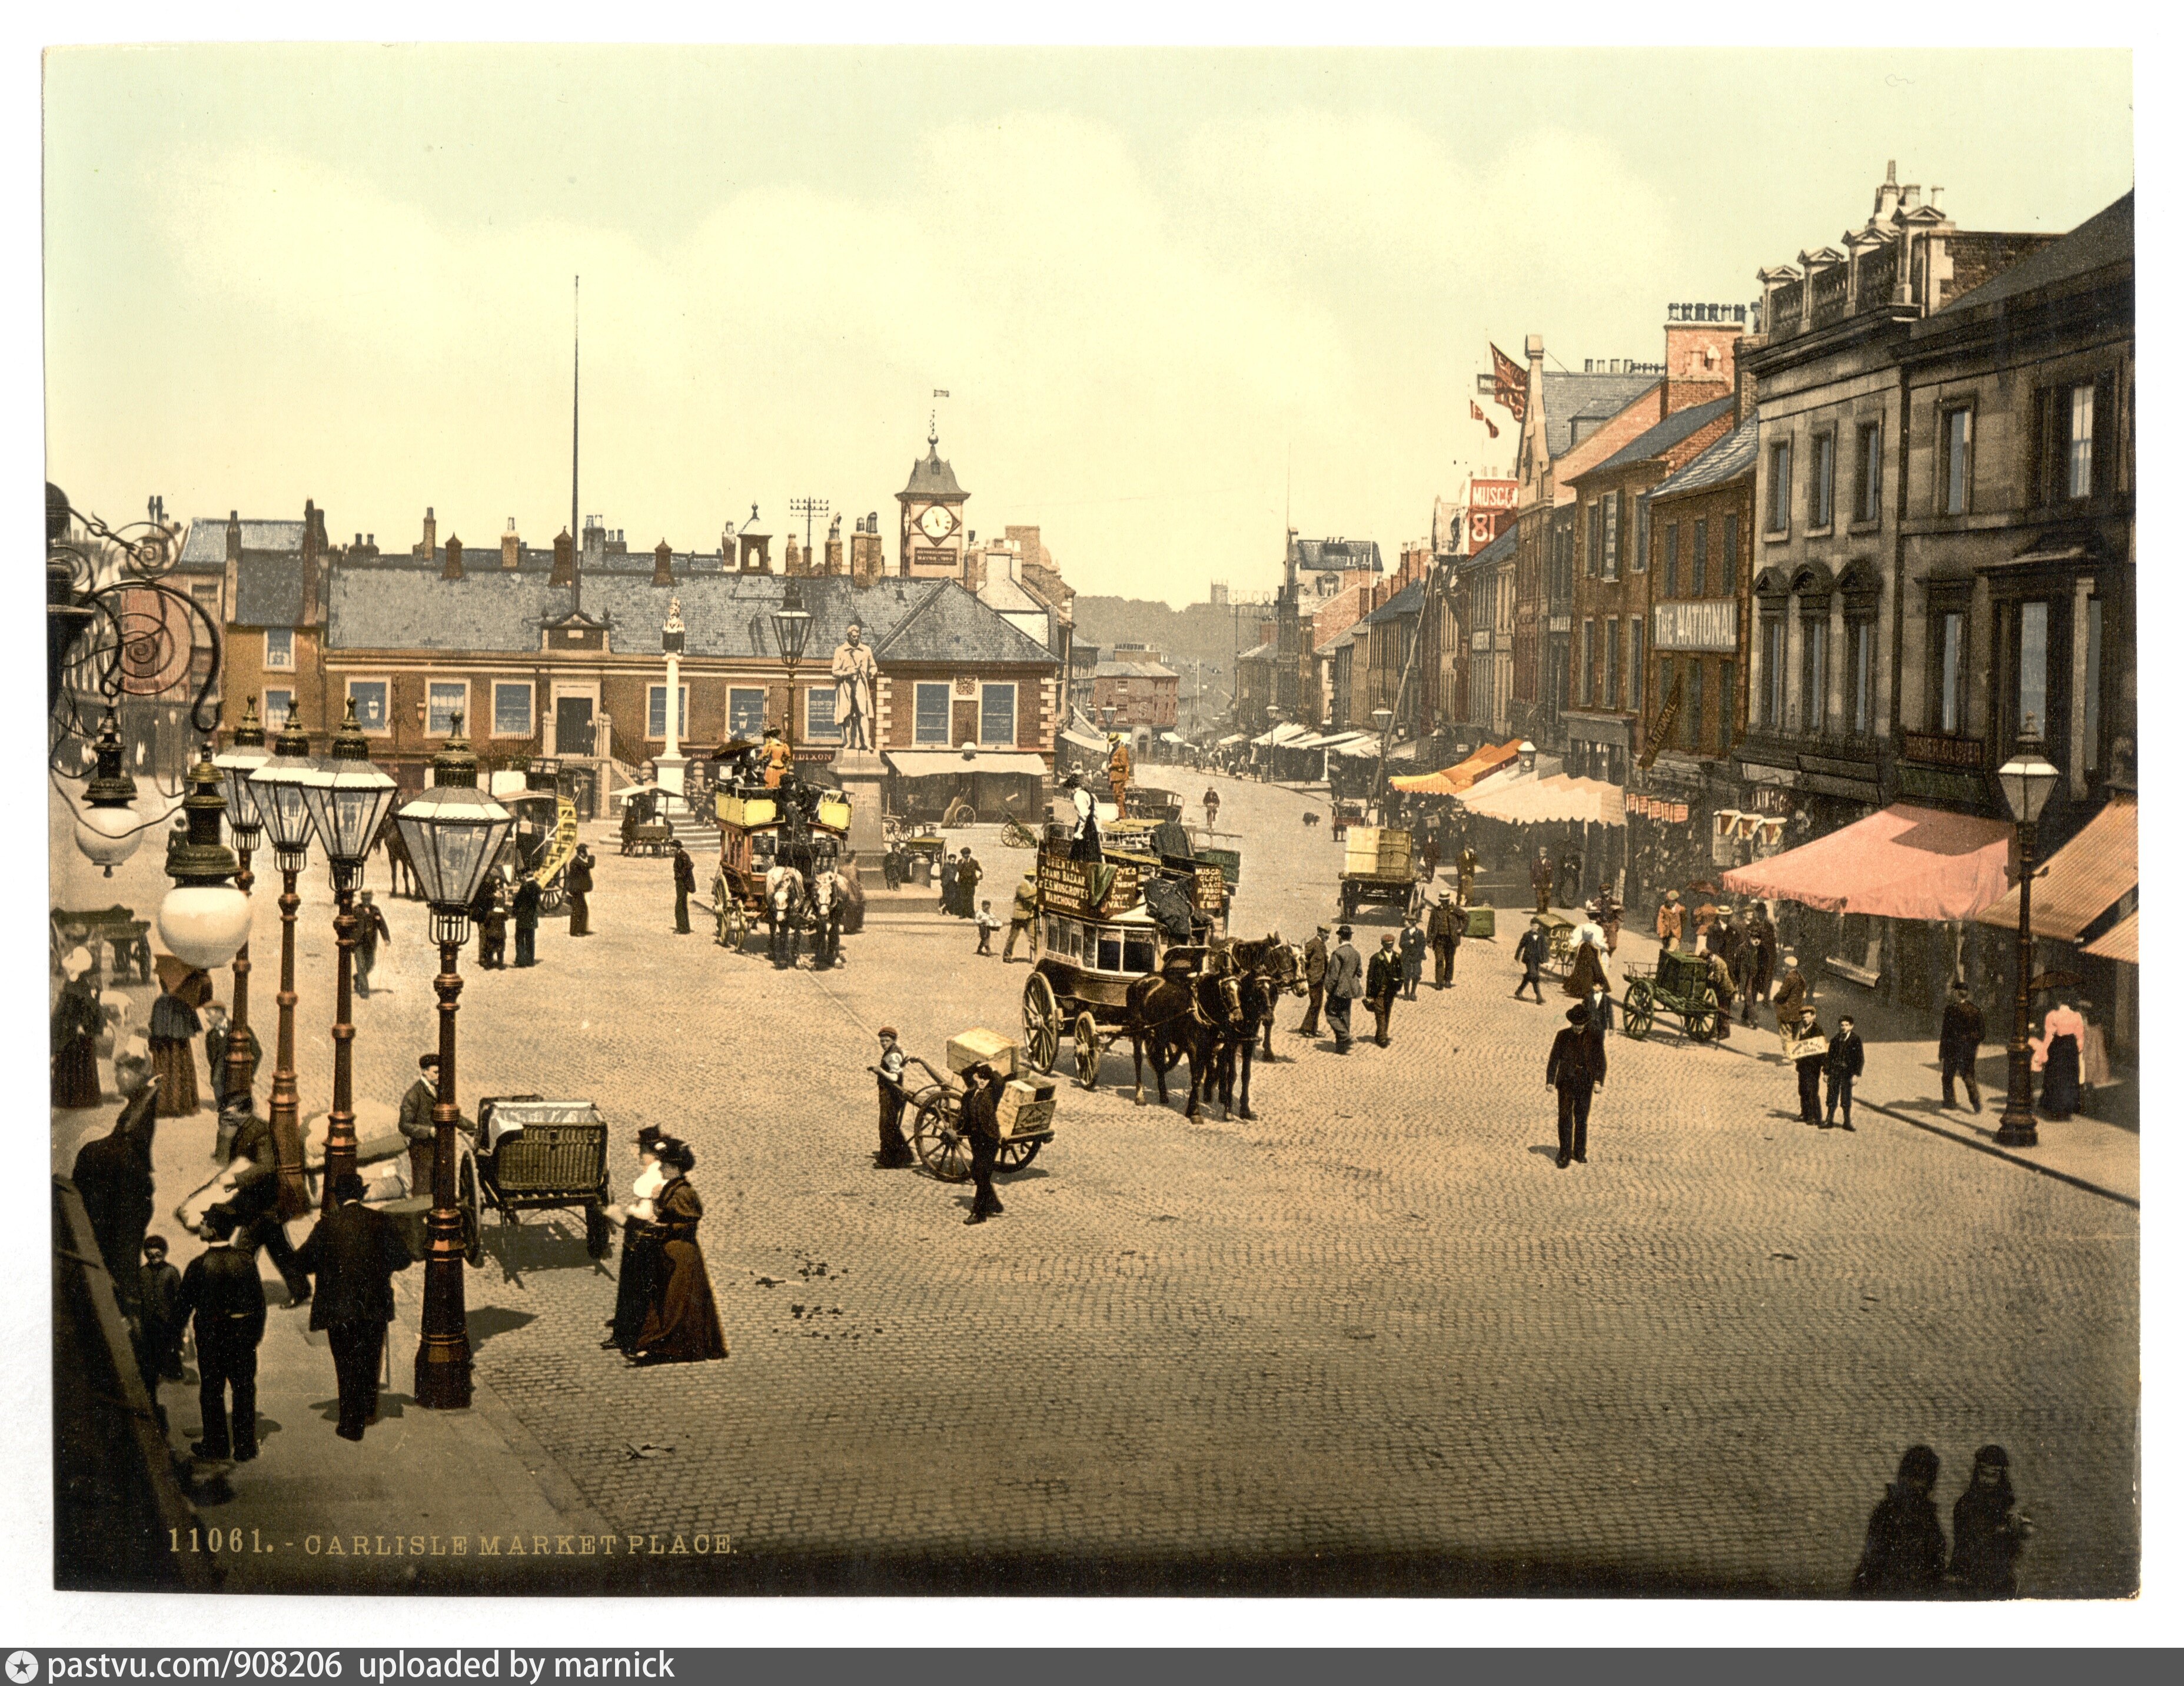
{"type": "Point", "coordinates": [1679, 986]}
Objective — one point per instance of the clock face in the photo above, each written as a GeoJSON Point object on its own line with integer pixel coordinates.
{"type": "Point", "coordinates": [937, 523]}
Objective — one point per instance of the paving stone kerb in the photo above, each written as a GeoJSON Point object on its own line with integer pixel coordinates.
{"type": "Point", "coordinates": [1375, 1326]}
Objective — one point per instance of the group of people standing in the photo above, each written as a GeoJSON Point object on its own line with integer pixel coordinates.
{"type": "Point", "coordinates": [664, 1308]}
{"type": "Point", "coordinates": [1906, 1553]}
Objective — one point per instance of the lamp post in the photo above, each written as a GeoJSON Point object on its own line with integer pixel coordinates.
{"type": "Point", "coordinates": [452, 831]}
{"type": "Point", "coordinates": [348, 797]}
{"type": "Point", "coordinates": [204, 918]}
{"type": "Point", "coordinates": [276, 788]}
{"type": "Point", "coordinates": [792, 627]}
{"type": "Point", "coordinates": [107, 831]}
{"type": "Point", "coordinates": [2027, 777]}
{"type": "Point", "coordinates": [1383, 718]}
{"type": "Point", "coordinates": [246, 752]}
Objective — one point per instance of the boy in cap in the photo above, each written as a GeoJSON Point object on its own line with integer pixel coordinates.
{"type": "Point", "coordinates": [1411, 947]}
{"type": "Point", "coordinates": [1846, 1065]}
{"type": "Point", "coordinates": [988, 925]}
{"type": "Point", "coordinates": [1384, 981]}
{"type": "Point", "coordinates": [894, 1152]}
{"type": "Point", "coordinates": [1532, 955]}
{"type": "Point", "coordinates": [159, 1297]}
{"type": "Point", "coordinates": [221, 1291]}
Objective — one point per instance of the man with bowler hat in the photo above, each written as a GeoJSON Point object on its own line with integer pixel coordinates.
{"type": "Point", "coordinates": [1345, 982]}
{"type": "Point", "coordinates": [354, 1252]}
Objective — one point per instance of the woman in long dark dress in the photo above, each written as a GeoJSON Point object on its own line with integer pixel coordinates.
{"type": "Point", "coordinates": [682, 1326]}
{"type": "Point", "coordinates": [2057, 1060]}
{"type": "Point", "coordinates": [77, 1021]}
{"type": "Point", "coordinates": [1989, 1533]}
{"type": "Point", "coordinates": [641, 1274]}
{"type": "Point", "coordinates": [175, 1027]}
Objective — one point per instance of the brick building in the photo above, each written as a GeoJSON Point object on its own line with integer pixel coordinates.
{"type": "Point", "coordinates": [1134, 684]}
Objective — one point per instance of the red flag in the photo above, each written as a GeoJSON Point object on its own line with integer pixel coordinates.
{"type": "Point", "coordinates": [1509, 381]}
{"type": "Point", "coordinates": [1479, 414]}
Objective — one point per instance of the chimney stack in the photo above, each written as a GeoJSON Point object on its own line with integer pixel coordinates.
{"type": "Point", "coordinates": [431, 533]}
{"type": "Point", "coordinates": [314, 546]}
{"type": "Point", "coordinates": [234, 536]}
{"type": "Point", "coordinates": [511, 547]}
{"type": "Point", "coordinates": [834, 551]}
{"type": "Point", "coordinates": [867, 556]}
{"type": "Point", "coordinates": [663, 564]}
{"type": "Point", "coordinates": [453, 570]}
{"type": "Point", "coordinates": [792, 558]}
{"type": "Point", "coordinates": [564, 560]}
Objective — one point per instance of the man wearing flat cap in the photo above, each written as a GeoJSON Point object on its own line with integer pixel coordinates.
{"type": "Point", "coordinates": [894, 1152]}
{"type": "Point", "coordinates": [1445, 931]}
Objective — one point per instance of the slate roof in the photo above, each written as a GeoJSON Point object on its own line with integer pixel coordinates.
{"type": "Point", "coordinates": [268, 590]}
{"type": "Point", "coordinates": [2096, 243]}
{"type": "Point", "coordinates": [1404, 603]}
{"type": "Point", "coordinates": [930, 477]}
{"type": "Point", "coordinates": [1131, 670]}
{"type": "Point", "coordinates": [491, 610]}
{"type": "Point", "coordinates": [1732, 455]}
{"type": "Point", "coordinates": [1330, 553]}
{"type": "Point", "coordinates": [1258, 652]}
{"type": "Point", "coordinates": [1586, 397]}
{"type": "Point", "coordinates": [204, 547]}
{"type": "Point", "coordinates": [1663, 436]}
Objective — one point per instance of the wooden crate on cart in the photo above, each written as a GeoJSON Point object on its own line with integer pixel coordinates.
{"type": "Point", "coordinates": [983, 1047]}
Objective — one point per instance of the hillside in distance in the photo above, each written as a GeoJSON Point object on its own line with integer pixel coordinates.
{"type": "Point", "coordinates": [1200, 632]}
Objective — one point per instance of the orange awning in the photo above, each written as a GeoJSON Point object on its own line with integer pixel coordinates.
{"type": "Point", "coordinates": [2083, 879]}
{"type": "Point", "coordinates": [1455, 780]}
{"type": "Point", "coordinates": [1905, 862]}
{"type": "Point", "coordinates": [2121, 944]}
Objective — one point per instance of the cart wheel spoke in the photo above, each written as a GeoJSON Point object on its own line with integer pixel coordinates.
{"type": "Point", "coordinates": [940, 1146]}
{"type": "Point", "coordinates": [1015, 1155]}
{"type": "Point", "coordinates": [1088, 1051]}
{"type": "Point", "coordinates": [1042, 1020]}
{"type": "Point", "coordinates": [466, 1203]}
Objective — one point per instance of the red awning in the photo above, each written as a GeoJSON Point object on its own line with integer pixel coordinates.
{"type": "Point", "coordinates": [1902, 863]}
{"type": "Point", "coordinates": [1455, 780]}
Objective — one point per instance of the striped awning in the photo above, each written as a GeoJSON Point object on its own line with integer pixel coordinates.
{"type": "Point", "coordinates": [2118, 943]}
{"type": "Point", "coordinates": [2083, 879]}
{"type": "Point", "coordinates": [1556, 799]}
{"type": "Point", "coordinates": [1455, 780]}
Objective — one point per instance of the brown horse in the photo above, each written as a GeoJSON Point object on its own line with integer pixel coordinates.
{"type": "Point", "coordinates": [1204, 1017]}
{"type": "Point", "coordinates": [400, 868]}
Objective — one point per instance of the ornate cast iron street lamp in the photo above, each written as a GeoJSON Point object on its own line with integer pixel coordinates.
{"type": "Point", "coordinates": [792, 627]}
{"type": "Point", "coordinates": [107, 831]}
{"type": "Point", "coordinates": [348, 797]}
{"type": "Point", "coordinates": [452, 831]}
{"type": "Point", "coordinates": [2027, 778]}
{"type": "Point", "coordinates": [276, 787]}
{"type": "Point", "coordinates": [204, 918]}
{"type": "Point", "coordinates": [246, 752]}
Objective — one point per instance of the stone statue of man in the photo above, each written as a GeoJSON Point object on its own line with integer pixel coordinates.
{"type": "Point", "coordinates": [856, 675]}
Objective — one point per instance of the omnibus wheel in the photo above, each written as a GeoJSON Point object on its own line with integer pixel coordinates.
{"type": "Point", "coordinates": [1042, 1022]}
{"type": "Point", "coordinates": [1087, 1036]}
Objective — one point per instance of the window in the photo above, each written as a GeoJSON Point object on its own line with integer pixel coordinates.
{"type": "Point", "coordinates": [1614, 688]}
{"type": "Point", "coordinates": [1951, 666]}
{"type": "Point", "coordinates": [1672, 561]}
{"type": "Point", "coordinates": [819, 724]}
{"type": "Point", "coordinates": [2079, 462]}
{"type": "Point", "coordinates": [1778, 487]}
{"type": "Point", "coordinates": [655, 711]}
{"type": "Point", "coordinates": [445, 698]}
{"type": "Point", "coordinates": [747, 712]}
{"type": "Point", "coordinates": [1592, 530]}
{"type": "Point", "coordinates": [511, 709]}
{"type": "Point", "coordinates": [1861, 677]}
{"type": "Point", "coordinates": [1610, 507]}
{"type": "Point", "coordinates": [2092, 758]}
{"type": "Point", "coordinates": [1586, 681]}
{"type": "Point", "coordinates": [1728, 556]}
{"type": "Point", "coordinates": [1820, 512]}
{"type": "Point", "coordinates": [208, 595]}
{"type": "Point", "coordinates": [277, 704]}
{"type": "Point", "coordinates": [997, 715]}
{"type": "Point", "coordinates": [1644, 533]}
{"type": "Point", "coordinates": [2032, 668]}
{"type": "Point", "coordinates": [1775, 670]}
{"type": "Point", "coordinates": [1699, 558]}
{"type": "Point", "coordinates": [1957, 451]}
{"type": "Point", "coordinates": [1637, 670]}
{"type": "Point", "coordinates": [1868, 472]}
{"type": "Point", "coordinates": [1110, 953]}
{"type": "Point", "coordinates": [1137, 953]}
{"type": "Point", "coordinates": [370, 695]}
{"type": "Point", "coordinates": [1694, 714]}
{"type": "Point", "coordinates": [279, 649]}
{"type": "Point", "coordinates": [1816, 673]}
{"type": "Point", "coordinates": [932, 718]}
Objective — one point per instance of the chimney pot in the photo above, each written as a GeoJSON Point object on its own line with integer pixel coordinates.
{"type": "Point", "coordinates": [453, 570]}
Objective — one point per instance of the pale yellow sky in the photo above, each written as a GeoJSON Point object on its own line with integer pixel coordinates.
{"type": "Point", "coordinates": [1166, 290]}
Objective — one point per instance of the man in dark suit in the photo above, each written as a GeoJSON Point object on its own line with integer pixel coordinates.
{"type": "Point", "coordinates": [370, 932]}
{"type": "Point", "coordinates": [1315, 981]}
{"type": "Point", "coordinates": [222, 1290]}
{"type": "Point", "coordinates": [1846, 1065]}
{"type": "Point", "coordinates": [354, 1252]}
{"type": "Point", "coordinates": [982, 1093]}
{"type": "Point", "coordinates": [414, 1121]}
{"type": "Point", "coordinates": [580, 892]}
{"type": "Point", "coordinates": [1384, 980]}
{"type": "Point", "coordinates": [686, 886]}
{"type": "Point", "coordinates": [1345, 982]}
{"type": "Point", "coordinates": [1445, 932]}
{"type": "Point", "coordinates": [525, 907]}
{"type": "Point", "coordinates": [1576, 1067]}
{"type": "Point", "coordinates": [1963, 1028]}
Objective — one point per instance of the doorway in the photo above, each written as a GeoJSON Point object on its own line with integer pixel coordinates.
{"type": "Point", "coordinates": [572, 726]}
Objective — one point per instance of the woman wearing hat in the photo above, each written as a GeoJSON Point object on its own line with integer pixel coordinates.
{"type": "Point", "coordinates": [1988, 1531]}
{"type": "Point", "coordinates": [682, 1326]}
{"type": "Point", "coordinates": [640, 1244]}
{"type": "Point", "coordinates": [175, 1027]}
{"type": "Point", "coordinates": [78, 1019]}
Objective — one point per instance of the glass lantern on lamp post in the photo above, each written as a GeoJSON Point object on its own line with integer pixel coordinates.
{"type": "Point", "coordinates": [2027, 778]}
{"type": "Point", "coordinates": [277, 789]}
{"type": "Point", "coordinates": [204, 918]}
{"type": "Point", "coordinates": [246, 752]}
{"type": "Point", "coordinates": [792, 630]}
{"type": "Point", "coordinates": [107, 831]}
{"type": "Point", "coordinates": [452, 831]}
{"type": "Point", "coordinates": [347, 798]}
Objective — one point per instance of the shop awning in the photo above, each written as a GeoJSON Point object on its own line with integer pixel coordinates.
{"type": "Point", "coordinates": [1084, 740]}
{"type": "Point", "coordinates": [2083, 879]}
{"type": "Point", "coordinates": [1454, 780]}
{"type": "Point", "coordinates": [2121, 944]}
{"type": "Point", "coordinates": [918, 764]}
{"type": "Point", "coordinates": [1287, 732]}
{"type": "Point", "coordinates": [1165, 736]}
{"type": "Point", "coordinates": [1556, 799]}
{"type": "Point", "coordinates": [1905, 862]}
{"type": "Point", "coordinates": [1230, 741]}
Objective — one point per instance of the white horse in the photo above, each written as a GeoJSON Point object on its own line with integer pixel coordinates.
{"type": "Point", "coordinates": [785, 902]}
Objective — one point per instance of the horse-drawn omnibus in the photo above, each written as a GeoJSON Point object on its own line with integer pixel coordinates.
{"type": "Point", "coordinates": [758, 827]}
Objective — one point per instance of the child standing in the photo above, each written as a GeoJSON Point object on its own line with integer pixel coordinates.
{"type": "Point", "coordinates": [988, 925]}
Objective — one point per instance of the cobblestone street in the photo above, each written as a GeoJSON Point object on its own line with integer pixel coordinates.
{"type": "Point", "coordinates": [1375, 1332]}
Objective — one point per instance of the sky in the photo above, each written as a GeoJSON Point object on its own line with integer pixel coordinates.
{"type": "Point", "coordinates": [1172, 294]}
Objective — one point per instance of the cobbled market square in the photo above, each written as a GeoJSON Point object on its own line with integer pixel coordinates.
{"type": "Point", "coordinates": [1630, 1126]}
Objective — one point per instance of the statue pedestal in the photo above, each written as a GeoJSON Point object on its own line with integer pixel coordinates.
{"type": "Point", "coordinates": [669, 772]}
{"type": "Point", "coordinates": [860, 771]}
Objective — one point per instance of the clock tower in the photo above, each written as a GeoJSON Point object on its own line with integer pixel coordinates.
{"type": "Point", "coordinates": [934, 539]}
